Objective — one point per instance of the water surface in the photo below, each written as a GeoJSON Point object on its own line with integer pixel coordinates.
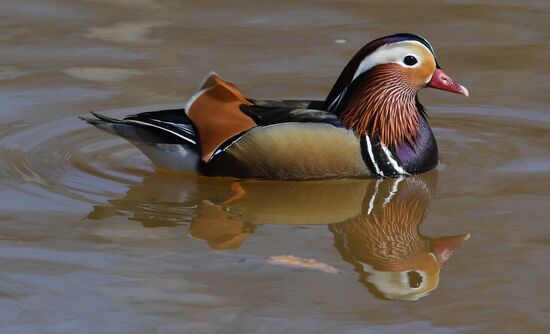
{"type": "Point", "coordinates": [94, 239]}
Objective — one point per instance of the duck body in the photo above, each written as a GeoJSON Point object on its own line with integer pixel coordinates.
{"type": "Point", "coordinates": [355, 133]}
{"type": "Point", "coordinates": [317, 146]}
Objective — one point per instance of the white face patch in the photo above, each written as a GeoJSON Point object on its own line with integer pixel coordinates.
{"type": "Point", "coordinates": [394, 53]}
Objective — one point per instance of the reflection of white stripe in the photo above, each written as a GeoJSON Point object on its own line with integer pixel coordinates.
{"type": "Point", "coordinates": [394, 163]}
{"type": "Point", "coordinates": [165, 129]}
{"type": "Point", "coordinates": [393, 190]}
{"type": "Point", "coordinates": [369, 148]}
{"type": "Point", "coordinates": [366, 267]}
{"type": "Point", "coordinates": [371, 203]}
{"type": "Point", "coordinates": [345, 237]}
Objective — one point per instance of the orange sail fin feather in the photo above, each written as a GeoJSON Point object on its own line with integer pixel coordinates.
{"type": "Point", "coordinates": [214, 110]}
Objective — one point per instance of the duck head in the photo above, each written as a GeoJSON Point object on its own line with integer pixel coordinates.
{"type": "Point", "coordinates": [376, 93]}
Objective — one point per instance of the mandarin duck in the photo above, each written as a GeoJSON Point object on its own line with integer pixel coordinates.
{"type": "Point", "coordinates": [370, 125]}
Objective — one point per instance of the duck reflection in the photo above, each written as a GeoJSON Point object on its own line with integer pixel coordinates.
{"type": "Point", "coordinates": [375, 223]}
{"type": "Point", "coordinates": [384, 243]}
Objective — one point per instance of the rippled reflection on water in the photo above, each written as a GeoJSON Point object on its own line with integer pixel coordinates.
{"type": "Point", "coordinates": [93, 239]}
{"type": "Point", "coordinates": [375, 223]}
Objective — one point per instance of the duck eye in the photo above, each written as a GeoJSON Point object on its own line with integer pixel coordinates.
{"type": "Point", "coordinates": [410, 60]}
{"type": "Point", "coordinates": [415, 279]}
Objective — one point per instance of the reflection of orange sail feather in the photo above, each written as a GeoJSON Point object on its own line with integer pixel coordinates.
{"type": "Point", "coordinates": [216, 226]}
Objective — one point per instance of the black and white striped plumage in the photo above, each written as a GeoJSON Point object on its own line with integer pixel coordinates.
{"type": "Point", "coordinates": [167, 137]}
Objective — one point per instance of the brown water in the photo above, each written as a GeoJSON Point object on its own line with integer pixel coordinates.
{"type": "Point", "coordinates": [93, 240]}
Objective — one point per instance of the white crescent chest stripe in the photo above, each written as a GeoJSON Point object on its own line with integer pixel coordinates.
{"type": "Point", "coordinates": [382, 160]}
{"type": "Point", "coordinates": [371, 155]}
{"type": "Point", "coordinates": [392, 161]}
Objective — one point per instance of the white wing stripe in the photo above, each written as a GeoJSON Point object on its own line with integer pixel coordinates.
{"type": "Point", "coordinates": [183, 127]}
{"type": "Point", "coordinates": [165, 129]}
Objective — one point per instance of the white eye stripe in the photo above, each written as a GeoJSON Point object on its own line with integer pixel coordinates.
{"type": "Point", "coordinates": [387, 54]}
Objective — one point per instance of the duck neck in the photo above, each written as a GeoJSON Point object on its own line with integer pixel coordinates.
{"type": "Point", "coordinates": [380, 103]}
{"type": "Point", "coordinates": [383, 111]}
{"type": "Point", "coordinates": [423, 155]}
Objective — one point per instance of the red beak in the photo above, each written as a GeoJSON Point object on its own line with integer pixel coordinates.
{"type": "Point", "coordinates": [440, 80]}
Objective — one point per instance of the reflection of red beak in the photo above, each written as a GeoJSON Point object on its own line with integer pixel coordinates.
{"type": "Point", "coordinates": [440, 80]}
{"type": "Point", "coordinates": [444, 247]}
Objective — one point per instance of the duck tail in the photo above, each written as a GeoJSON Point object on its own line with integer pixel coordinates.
{"type": "Point", "coordinates": [167, 137]}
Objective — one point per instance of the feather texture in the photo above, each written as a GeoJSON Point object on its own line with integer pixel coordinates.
{"type": "Point", "coordinates": [382, 104]}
